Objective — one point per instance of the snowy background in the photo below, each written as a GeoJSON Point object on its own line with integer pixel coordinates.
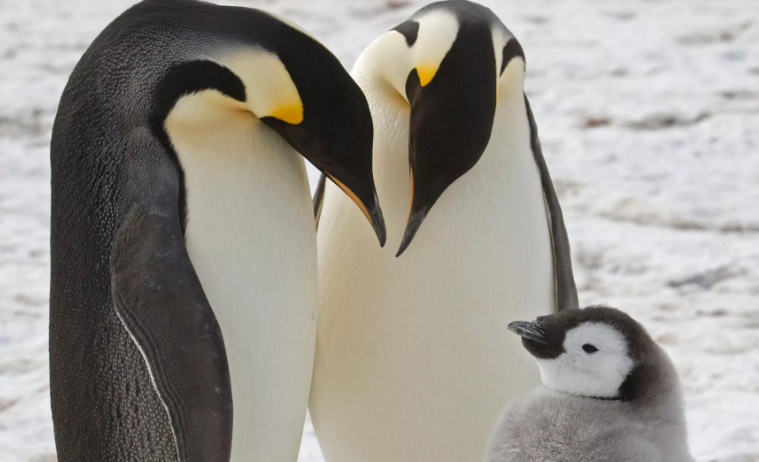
{"type": "Point", "coordinates": [649, 116]}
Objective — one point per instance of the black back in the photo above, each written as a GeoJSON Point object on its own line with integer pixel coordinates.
{"type": "Point", "coordinates": [111, 160]}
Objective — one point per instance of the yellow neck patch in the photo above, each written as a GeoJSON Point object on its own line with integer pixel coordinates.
{"type": "Point", "coordinates": [269, 89]}
{"type": "Point", "coordinates": [292, 114]}
{"type": "Point", "coordinates": [426, 73]}
{"type": "Point", "coordinates": [437, 32]}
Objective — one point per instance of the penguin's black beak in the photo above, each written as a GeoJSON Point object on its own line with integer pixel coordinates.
{"type": "Point", "coordinates": [529, 330]}
{"type": "Point", "coordinates": [366, 199]}
{"type": "Point", "coordinates": [451, 121]}
{"type": "Point", "coordinates": [415, 219]}
{"type": "Point", "coordinates": [377, 220]}
{"type": "Point", "coordinates": [542, 338]}
{"type": "Point", "coordinates": [336, 133]}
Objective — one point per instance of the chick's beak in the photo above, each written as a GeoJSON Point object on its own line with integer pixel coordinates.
{"type": "Point", "coordinates": [529, 330]}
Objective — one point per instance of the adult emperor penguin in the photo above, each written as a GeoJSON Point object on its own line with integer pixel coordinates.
{"type": "Point", "coordinates": [410, 350]}
{"type": "Point", "coordinates": [180, 211]}
{"type": "Point", "coordinates": [609, 393]}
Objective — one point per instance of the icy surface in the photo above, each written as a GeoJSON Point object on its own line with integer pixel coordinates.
{"type": "Point", "coordinates": [649, 116]}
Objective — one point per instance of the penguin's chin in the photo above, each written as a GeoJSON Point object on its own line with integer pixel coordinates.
{"type": "Point", "coordinates": [562, 374]}
{"type": "Point", "coordinates": [541, 349]}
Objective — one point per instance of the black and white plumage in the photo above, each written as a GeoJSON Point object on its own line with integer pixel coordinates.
{"type": "Point", "coordinates": [181, 211]}
{"type": "Point", "coordinates": [410, 348]}
{"type": "Point", "coordinates": [609, 393]}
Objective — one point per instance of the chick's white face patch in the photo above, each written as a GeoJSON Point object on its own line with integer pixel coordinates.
{"type": "Point", "coordinates": [595, 363]}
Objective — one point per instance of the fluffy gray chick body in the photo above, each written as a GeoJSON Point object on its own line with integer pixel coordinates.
{"type": "Point", "coordinates": [550, 426]}
{"type": "Point", "coordinates": [645, 422]}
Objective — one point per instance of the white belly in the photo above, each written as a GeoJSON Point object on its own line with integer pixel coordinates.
{"type": "Point", "coordinates": [250, 237]}
{"type": "Point", "coordinates": [414, 362]}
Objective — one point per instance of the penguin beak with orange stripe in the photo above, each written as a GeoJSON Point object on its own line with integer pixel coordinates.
{"type": "Point", "coordinates": [333, 130]}
{"type": "Point", "coordinates": [452, 111]}
{"type": "Point", "coordinates": [368, 203]}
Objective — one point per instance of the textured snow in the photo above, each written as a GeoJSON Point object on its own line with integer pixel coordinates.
{"type": "Point", "coordinates": [649, 116]}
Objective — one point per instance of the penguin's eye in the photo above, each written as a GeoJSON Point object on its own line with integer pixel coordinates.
{"type": "Point", "coordinates": [588, 348]}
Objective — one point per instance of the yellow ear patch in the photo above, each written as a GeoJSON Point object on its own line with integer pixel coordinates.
{"type": "Point", "coordinates": [269, 89]}
{"type": "Point", "coordinates": [292, 114]}
{"type": "Point", "coordinates": [426, 73]}
{"type": "Point", "coordinates": [437, 33]}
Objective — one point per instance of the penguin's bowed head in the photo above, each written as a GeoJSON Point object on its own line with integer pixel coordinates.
{"type": "Point", "coordinates": [447, 65]}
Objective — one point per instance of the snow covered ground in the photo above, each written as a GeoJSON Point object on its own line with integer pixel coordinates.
{"type": "Point", "coordinates": [649, 116]}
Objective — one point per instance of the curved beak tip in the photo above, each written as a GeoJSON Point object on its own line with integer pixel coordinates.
{"type": "Point", "coordinates": [378, 224]}
{"type": "Point", "coordinates": [414, 222]}
{"type": "Point", "coordinates": [408, 236]}
{"type": "Point", "coordinates": [528, 330]}
{"type": "Point", "coordinates": [378, 221]}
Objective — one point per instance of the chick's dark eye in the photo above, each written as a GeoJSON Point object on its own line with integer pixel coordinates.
{"type": "Point", "coordinates": [588, 348]}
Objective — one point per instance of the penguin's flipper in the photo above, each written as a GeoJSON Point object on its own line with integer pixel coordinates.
{"type": "Point", "coordinates": [159, 299]}
{"type": "Point", "coordinates": [319, 198]}
{"type": "Point", "coordinates": [566, 291]}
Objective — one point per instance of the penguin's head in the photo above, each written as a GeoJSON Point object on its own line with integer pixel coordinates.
{"type": "Point", "coordinates": [596, 352]}
{"type": "Point", "coordinates": [335, 131]}
{"type": "Point", "coordinates": [291, 83]}
{"type": "Point", "coordinates": [449, 63]}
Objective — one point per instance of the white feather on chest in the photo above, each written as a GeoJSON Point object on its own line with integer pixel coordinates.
{"type": "Point", "coordinates": [250, 237]}
{"type": "Point", "coordinates": [414, 361]}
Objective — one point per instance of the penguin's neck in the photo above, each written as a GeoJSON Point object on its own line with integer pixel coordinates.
{"type": "Point", "coordinates": [248, 198]}
{"type": "Point", "coordinates": [250, 237]}
{"type": "Point", "coordinates": [654, 386]}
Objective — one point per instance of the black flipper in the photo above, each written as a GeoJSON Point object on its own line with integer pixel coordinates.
{"type": "Point", "coordinates": [160, 301]}
{"type": "Point", "coordinates": [319, 198]}
{"type": "Point", "coordinates": [566, 291]}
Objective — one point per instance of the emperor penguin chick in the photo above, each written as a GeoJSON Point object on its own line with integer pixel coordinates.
{"type": "Point", "coordinates": [609, 393]}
